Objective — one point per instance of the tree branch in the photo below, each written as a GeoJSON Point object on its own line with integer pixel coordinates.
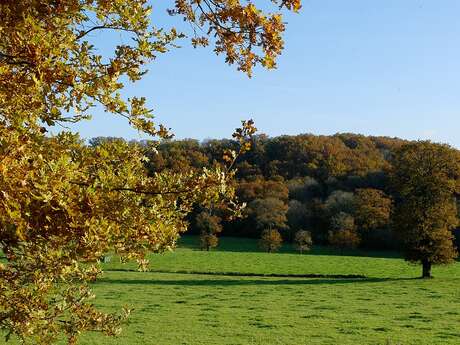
{"type": "Point", "coordinates": [11, 60]}
{"type": "Point", "coordinates": [135, 190]}
{"type": "Point", "coordinates": [102, 27]}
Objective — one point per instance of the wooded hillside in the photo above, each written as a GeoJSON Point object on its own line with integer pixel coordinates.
{"type": "Point", "coordinates": [323, 184]}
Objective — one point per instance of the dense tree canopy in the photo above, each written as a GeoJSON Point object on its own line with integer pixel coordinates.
{"type": "Point", "coordinates": [306, 198]}
{"type": "Point", "coordinates": [426, 177]}
{"type": "Point", "coordinates": [372, 208]}
{"type": "Point", "coordinates": [299, 197]}
{"type": "Point", "coordinates": [268, 213]}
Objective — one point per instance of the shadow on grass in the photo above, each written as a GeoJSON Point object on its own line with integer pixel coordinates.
{"type": "Point", "coordinates": [250, 245]}
{"type": "Point", "coordinates": [239, 282]}
{"type": "Point", "coordinates": [248, 274]}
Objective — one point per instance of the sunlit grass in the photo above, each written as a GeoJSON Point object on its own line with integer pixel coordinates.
{"type": "Point", "coordinates": [389, 306]}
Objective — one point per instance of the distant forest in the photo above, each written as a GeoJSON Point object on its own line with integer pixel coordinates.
{"type": "Point", "coordinates": [322, 184]}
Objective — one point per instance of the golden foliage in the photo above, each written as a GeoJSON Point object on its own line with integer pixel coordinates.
{"type": "Point", "coordinates": [245, 34]}
{"type": "Point", "coordinates": [271, 240]}
{"type": "Point", "coordinates": [64, 204]}
{"type": "Point", "coordinates": [372, 208]}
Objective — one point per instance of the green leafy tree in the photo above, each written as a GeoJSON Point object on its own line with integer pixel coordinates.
{"type": "Point", "coordinates": [271, 240]}
{"type": "Point", "coordinates": [425, 178]}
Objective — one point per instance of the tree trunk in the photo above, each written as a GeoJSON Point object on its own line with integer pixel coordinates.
{"type": "Point", "coordinates": [426, 269]}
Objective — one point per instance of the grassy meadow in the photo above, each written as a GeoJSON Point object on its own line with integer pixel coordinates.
{"type": "Point", "coordinates": [180, 302]}
{"type": "Point", "coordinates": [390, 306]}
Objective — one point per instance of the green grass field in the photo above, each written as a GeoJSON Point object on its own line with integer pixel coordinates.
{"type": "Point", "coordinates": [390, 306]}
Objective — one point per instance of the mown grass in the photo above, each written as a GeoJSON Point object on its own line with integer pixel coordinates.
{"type": "Point", "coordinates": [390, 306]}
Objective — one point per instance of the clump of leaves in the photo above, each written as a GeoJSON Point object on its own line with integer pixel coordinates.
{"type": "Point", "coordinates": [243, 33]}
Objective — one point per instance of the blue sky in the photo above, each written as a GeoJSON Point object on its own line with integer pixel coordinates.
{"type": "Point", "coordinates": [373, 67]}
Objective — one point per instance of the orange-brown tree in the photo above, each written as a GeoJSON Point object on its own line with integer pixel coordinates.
{"type": "Point", "coordinates": [63, 202]}
{"type": "Point", "coordinates": [209, 227]}
{"type": "Point", "coordinates": [425, 178]}
{"type": "Point", "coordinates": [372, 209]}
{"type": "Point", "coordinates": [270, 240]}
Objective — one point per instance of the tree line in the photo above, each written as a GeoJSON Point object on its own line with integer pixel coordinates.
{"type": "Point", "coordinates": [346, 190]}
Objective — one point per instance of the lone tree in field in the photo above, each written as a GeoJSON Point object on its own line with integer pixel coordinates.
{"type": "Point", "coordinates": [209, 227]}
{"type": "Point", "coordinates": [303, 241]}
{"type": "Point", "coordinates": [64, 204]}
{"type": "Point", "coordinates": [425, 178]}
{"type": "Point", "coordinates": [271, 240]}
